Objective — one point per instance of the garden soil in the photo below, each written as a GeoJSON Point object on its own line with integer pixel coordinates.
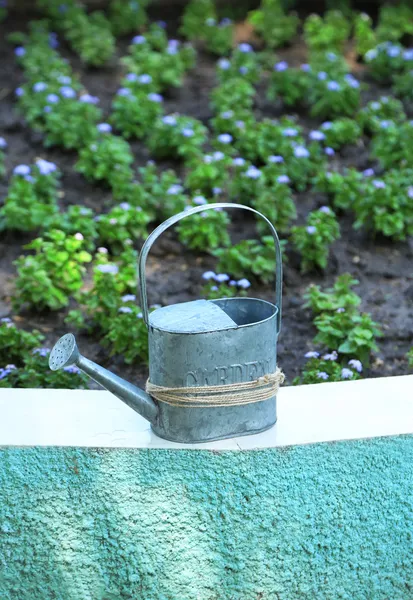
{"type": "Point", "coordinates": [383, 268]}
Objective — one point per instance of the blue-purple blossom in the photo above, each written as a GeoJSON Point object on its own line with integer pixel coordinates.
{"type": "Point", "coordinates": [216, 191]}
{"type": "Point", "coordinates": [131, 77]}
{"type": "Point", "coordinates": [283, 179]}
{"type": "Point", "coordinates": [331, 356]}
{"type": "Point", "coordinates": [317, 136]}
{"type": "Point", "coordinates": [243, 70]}
{"type": "Point", "coordinates": [187, 132]}
{"type": "Point", "coordinates": [169, 120]}
{"type": "Point", "coordinates": [290, 132]}
{"type": "Point", "coordinates": [67, 91]}
{"type": "Point", "coordinates": [145, 78]}
{"type": "Point", "coordinates": [368, 172]}
{"type": "Point", "coordinates": [210, 22]}
{"type": "Point", "coordinates": [3, 143]}
{"type": "Point", "coordinates": [108, 268]}
{"type": "Point", "coordinates": [232, 282]}
{"type": "Point", "coordinates": [19, 51]}
{"type": "Point", "coordinates": [125, 309]}
{"type": "Point", "coordinates": [19, 92]}
{"type": "Point", "coordinates": [47, 109]}
{"type": "Point", "coordinates": [311, 354]}
{"type": "Point", "coordinates": [128, 298]}
{"type": "Point", "coordinates": [214, 288]}
{"type": "Point", "coordinates": [199, 200]}
{"type": "Point", "coordinates": [104, 127]}
{"type": "Point", "coordinates": [331, 56]}
{"type": "Point", "coordinates": [281, 66]}
{"type": "Point", "coordinates": [174, 189]}
{"type": "Point", "coordinates": [240, 124]}
{"type": "Point", "coordinates": [225, 138]}
{"type": "Point", "coordinates": [385, 124]}
{"type": "Point", "coordinates": [227, 114]}
{"type": "Point", "coordinates": [45, 167]}
{"type": "Point", "coordinates": [64, 79]}
{"type": "Point", "coordinates": [327, 125]}
{"type": "Point", "coordinates": [322, 375]}
{"type": "Point", "coordinates": [346, 373]}
{"type": "Point", "coordinates": [40, 86]}
{"type": "Point", "coordinates": [244, 47]}
{"type": "Point", "coordinates": [89, 99]}
{"type": "Point", "coordinates": [222, 277]}
{"type": "Point", "coordinates": [355, 364]}
{"type": "Point", "coordinates": [410, 192]}
{"type": "Point", "coordinates": [322, 76]}
{"type": "Point", "coordinates": [329, 151]}
{"type": "Point", "coordinates": [371, 54]}
{"type": "Point", "coordinates": [243, 283]}
{"type": "Point", "coordinates": [301, 152]}
{"type": "Point", "coordinates": [154, 97]}
{"type": "Point", "coordinates": [22, 170]}
{"type": "Point", "coordinates": [311, 229]}
{"type": "Point", "coordinates": [41, 351]}
{"type": "Point", "coordinates": [333, 86]}
{"type": "Point", "coordinates": [123, 92]}
{"type": "Point", "coordinates": [138, 39]}
{"type": "Point", "coordinates": [325, 209]}
{"type": "Point", "coordinates": [5, 320]}
{"type": "Point", "coordinates": [340, 310]}
{"type": "Point", "coordinates": [225, 21]}
{"type": "Point", "coordinates": [126, 206]}
{"type": "Point", "coordinates": [73, 369]}
{"type": "Point", "coordinates": [393, 51]}
{"type": "Point", "coordinates": [253, 173]}
{"type": "Point", "coordinates": [208, 275]}
{"type": "Point", "coordinates": [275, 159]}
{"type": "Point", "coordinates": [224, 64]}
{"type": "Point", "coordinates": [352, 81]}
{"type": "Point", "coordinates": [218, 155]}
{"type": "Point", "coordinates": [52, 98]}
{"type": "Point", "coordinates": [408, 54]}
{"type": "Point", "coordinates": [238, 161]}
{"type": "Point", "coordinates": [378, 184]}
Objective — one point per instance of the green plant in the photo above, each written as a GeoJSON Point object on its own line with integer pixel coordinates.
{"type": "Point", "coordinates": [319, 369]}
{"type": "Point", "coordinates": [403, 85]}
{"type": "Point", "coordinates": [334, 98]}
{"type": "Point", "coordinates": [205, 231]}
{"type": "Point", "coordinates": [339, 296]}
{"type": "Point", "coordinates": [164, 192]}
{"type": "Point", "coordinates": [384, 61]}
{"type": "Point", "coordinates": [392, 145]}
{"type": "Point", "coordinates": [134, 114]}
{"type": "Point", "coordinates": [410, 357]}
{"type": "Point", "coordinates": [277, 204]}
{"type": "Point", "coordinates": [31, 200]}
{"type": "Point", "coordinates": [123, 225]}
{"type": "Point", "coordinates": [364, 35]}
{"type": "Point", "coordinates": [127, 16]}
{"type": "Point", "coordinates": [292, 85]}
{"type": "Point", "coordinates": [199, 22]}
{"type": "Point", "coordinates": [175, 136]}
{"type": "Point", "coordinates": [395, 21]}
{"type": "Point", "coordinates": [243, 64]}
{"type": "Point", "coordinates": [235, 92]}
{"type": "Point", "coordinates": [127, 334]}
{"type": "Point", "coordinates": [249, 257]}
{"type": "Point", "coordinates": [273, 24]}
{"type": "Point", "coordinates": [327, 33]}
{"type": "Point", "coordinates": [53, 274]}
{"type": "Point", "coordinates": [313, 239]}
{"type": "Point", "coordinates": [344, 188]}
{"type": "Point", "coordinates": [16, 343]}
{"type": "Point", "coordinates": [209, 173]}
{"type": "Point", "coordinates": [77, 219]}
{"type": "Point", "coordinates": [340, 132]}
{"type": "Point", "coordinates": [380, 114]}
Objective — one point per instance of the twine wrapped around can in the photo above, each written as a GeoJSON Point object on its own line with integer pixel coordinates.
{"type": "Point", "coordinates": [233, 394]}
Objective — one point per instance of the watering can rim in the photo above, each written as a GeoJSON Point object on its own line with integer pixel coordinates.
{"type": "Point", "coordinates": [179, 332]}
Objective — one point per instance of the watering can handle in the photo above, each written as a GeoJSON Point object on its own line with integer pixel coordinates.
{"type": "Point", "coordinates": [187, 213]}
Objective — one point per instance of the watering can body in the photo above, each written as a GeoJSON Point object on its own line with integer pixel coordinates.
{"type": "Point", "coordinates": [200, 344]}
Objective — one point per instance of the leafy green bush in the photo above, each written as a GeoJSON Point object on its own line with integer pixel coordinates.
{"type": "Point", "coordinates": [319, 369]}
{"type": "Point", "coordinates": [126, 17]}
{"type": "Point", "coordinates": [205, 231]}
{"type": "Point", "coordinates": [273, 24]}
{"type": "Point", "coordinates": [16, 343]}
{"type": "Point", "coordinates": [327, 33]}
{"type": "Point", "coordinates": [313, 239]}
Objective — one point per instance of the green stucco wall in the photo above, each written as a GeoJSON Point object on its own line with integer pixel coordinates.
{"type": "Point", "coordinates": [325, 521]}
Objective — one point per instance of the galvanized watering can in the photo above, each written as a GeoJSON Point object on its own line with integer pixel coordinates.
{"type": "Point", "coordinates": [212, 363]}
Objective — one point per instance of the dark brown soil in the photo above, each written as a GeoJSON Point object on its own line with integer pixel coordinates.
{"type": "Point", "coordinates": [174, 274]}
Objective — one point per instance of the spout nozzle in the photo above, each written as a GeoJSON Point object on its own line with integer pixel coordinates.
{"type": "Point", "coordinates": [64, 353]}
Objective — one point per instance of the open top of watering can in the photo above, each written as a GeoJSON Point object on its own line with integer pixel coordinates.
{"type": "Point", "coordinates": [208, 315]}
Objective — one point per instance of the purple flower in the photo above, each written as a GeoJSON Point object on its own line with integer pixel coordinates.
{"type": "Point", "coordinates": [225, 138]}
{"type": "Point", "coordinates": [139, 39]}
{"type": "Point", "coordinates": [174, 189]}
{"type": "Point", "coordinates": [322, 76]}
{"type": "Point", "coordinates": [125, 309]}
{"type": "Point", "coordinates": [72, 369]}
{"type": "Point", "coordinates": [67, 92]}
{"type": "Point", "coordinates": [311, 354]}
{"type": "Point", "coordinates": [3, 143]}
{"type": "Point", "coordinates": [243, 283]}
{"type": "Point", "coordinates": [125, 206]}
{"type": "Point", "coordinates": [281, 66]}
{"type": "Point", "coordinates": [311, 229]}
{"type": "Point", "coordinates": [102, 250]}
{"type": "Point", "coordinates": [340, 310]}
{"type": "Point", "coordinates": [301, 152]}
{"type": "Point", "coordinates": [332, 356]}
{"type": "Point", "coordinates": [169, 120]}
{"type": "Point", "coordinates": [253, 173]}
{"type": "Point", "coordinates": [5, 320]}
{"type": "Point", "coordinates": [145, 78]}
{"type": "Point", "coordinates": [108, 268]}
{"type": "Point", "coordinates": [187, 132]}
{"type": "Point", "coordinates": [210, 22]}
{"type": "Point", "coordinates": [238, 162]}
{"type": "Point", "coordinates": [275, 159]}
{"type": "Point", "coordinates": [385, 123]}
{"type": "Point", "coordinates": [317, 136]}
{"type": "Point", "coordinates": [19, 51]}
{"type": "Point", "coordinates": [214, 288]}
{"type": "Point", "coordinates": [289, 132]}
{"type": "Point", "coordinates": [283, 179]}
{"type": "Point", "coordinates": [22, 170]}
{"type": "Point", "coordinates": [333, 86]}
{"type": "Point", "coordinates": [40, 86]}
{"type": "Point", "coordinates": [352, 81]}
{"type": "Point", "coordinates": [53, 41]}
{"type": "Point", "coordinates": [79, 237]}
{"type": "Point", "coordinates": [208, 275]}
{"type": "Point", "coordinates": [245, 48]}
{"type": "Point", "coordinates": [368, 172]}
{"type": "Point", "coordinates": [408, 54]}
{"type": "Point", "coordinates": [216, 191]}
{"type": "Point", "coordinates": [88, 99]}
{"type": "Point", "coordinates": [52, 98]}
{"type": "Point", "coordinates": [325, 209]}
{"type": "Point", "coordinates": [225, 21]}
{"type": "Point", "coordinates": [327, 125]}
{"type": "Point", "coordinates": [379, 184]}
{"type": "Point", "coordinates": [128, 298]}
{"type": "Point", "coordinates": [19, 92]}
{"type": "Point", "coordinates": [224, 64]}
{"type": "Point", "coordinates": [331, 56]}
{"type": "Point", "coordinates": [243, 70]}
{"type": "Point", "coordinates": [393, 51]}
{"type": "Point", "coordinates": [154, 97]}
{"type": "Point", "coordinates": [131, 77]}
{"type": "Point", "coordinates": [47, 109]}
{"type": "Point", "coordinates": [305, 67]}
{"type": "Point", "coordinates": [123, 92]}
{"type": "Point", "coordinates": [222, 277]}
{"type": "Point", "coordinates": [4, 373]}
{"type": "Point", "coordinates": [227, 114]}
{"type": "Point", "coordinates": [410, 192]}
{"type": "Point", "coordinates": [329, 151]}
{"type": "Point", "coordinates": [375, 105]}
{"type": "Point", "coordinates": [199, 200]}
{"type": "Point", "coordinates": [104, 128]}
{"type": "Point", "coordinates": [356, 364]}
{"type": "Point", "coordinates": [45, 167]}
{"type": "Point", "coordinates": [64, 79]}
{"type": "Point", "coordinates": [218, 155]}
{"type": "Point", "coordinates": [346, 373]}
{"type": "Point", "coordinates": [41, 351]}
{"type": "Point", "coordinates": [322, 375]}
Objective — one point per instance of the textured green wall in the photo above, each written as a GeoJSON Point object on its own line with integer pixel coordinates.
{"type": "Point", "coordinates": [326, 521]}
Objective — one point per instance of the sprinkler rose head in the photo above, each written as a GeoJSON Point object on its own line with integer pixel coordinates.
{"type": "Point", "coordinates": [64, 353]}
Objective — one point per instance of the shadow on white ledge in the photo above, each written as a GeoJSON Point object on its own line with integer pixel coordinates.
{"type": "Point", "coordinates": [306, 414]}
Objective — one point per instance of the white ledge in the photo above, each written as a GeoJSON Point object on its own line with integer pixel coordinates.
{"type": "Point", "coordinates": [306, 414]}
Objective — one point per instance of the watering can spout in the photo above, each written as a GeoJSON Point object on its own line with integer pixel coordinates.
{"type": "Point", "coordinates": [66, 353]}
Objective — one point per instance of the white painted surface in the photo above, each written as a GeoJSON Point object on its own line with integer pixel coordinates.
{"type": "Point", "coordinates": [306, 414]}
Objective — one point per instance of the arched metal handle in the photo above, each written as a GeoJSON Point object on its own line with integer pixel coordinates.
{"type": "Point", "coordinates": [187, 213]}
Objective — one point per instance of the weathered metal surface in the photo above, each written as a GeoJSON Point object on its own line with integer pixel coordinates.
{"type": "Point", "coordinates": [194, 344]}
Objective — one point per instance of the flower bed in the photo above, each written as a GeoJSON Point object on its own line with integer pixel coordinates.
{"type": "Point", "coordinates": [284, 119]}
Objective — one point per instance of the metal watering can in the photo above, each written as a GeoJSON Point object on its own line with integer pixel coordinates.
{"type": "Point", "coordinates": [211, 362]}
